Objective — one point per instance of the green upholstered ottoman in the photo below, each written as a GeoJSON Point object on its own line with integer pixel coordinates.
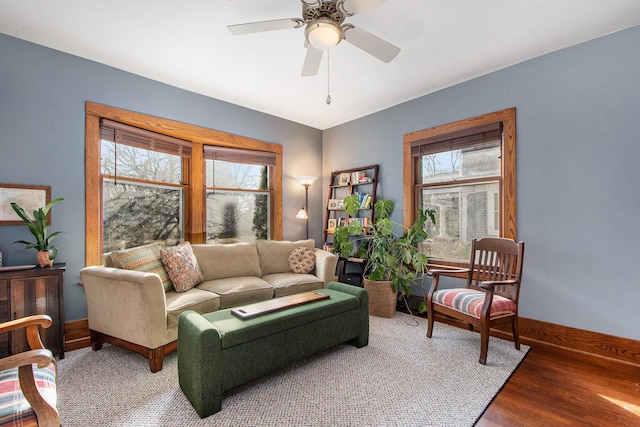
{"type": "Point", "coordinates": [219, 351]}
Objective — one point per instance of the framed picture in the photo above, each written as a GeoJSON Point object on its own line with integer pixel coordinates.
{"type": "Point", "coordinates": [344, 179]}
{"type": "Point", "coordinates": [29, 197]}
{"type": "Point", "coordinates": [332, 224]}
{"type": "Point", "coordinates": [334, 204]}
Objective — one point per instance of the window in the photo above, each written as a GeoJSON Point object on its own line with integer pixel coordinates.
{"type": "Point", "coordinates": [146, 179]}
{"type": "Point", "coordinates": [238, 197]}
{"type": "Point", "coordinates": [143, 186]}
{"type": "Point", "coordinates": [465, 171]}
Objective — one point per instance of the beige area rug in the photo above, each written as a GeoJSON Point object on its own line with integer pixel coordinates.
{"type": "Point", "coordinates": [401, 378]}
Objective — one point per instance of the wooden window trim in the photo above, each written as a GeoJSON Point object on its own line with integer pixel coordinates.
{"type": "Point", "coordinates": [507, 173]}
{"type": "Point", "coordinates": [195, 230]}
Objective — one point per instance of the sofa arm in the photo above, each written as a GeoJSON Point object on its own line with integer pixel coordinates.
{"type": "Point", "coordinates": [326, 263]}
{"type": "Point", "coordinates": [126, 304]}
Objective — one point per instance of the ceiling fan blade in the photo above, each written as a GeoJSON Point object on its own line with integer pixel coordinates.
{"type": "Point", "coordinates": [311, 61]}
{"type": "Point", "coordinates": [373, 45]}
{"type": "Point", "coordinates": [258, 27]}
{"type": "Point", "coordinates": [351, 7]}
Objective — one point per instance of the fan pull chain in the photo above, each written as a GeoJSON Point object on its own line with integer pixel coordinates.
{"type": "Point", "coordinates": [328, 77]}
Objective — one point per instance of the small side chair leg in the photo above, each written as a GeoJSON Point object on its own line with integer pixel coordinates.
{"type": "Point", "coordinates": [484, 343]}
{"type": "Point", "coordinates": [516, 336]}
{"type": "Point", "coordinates": [430, 316]}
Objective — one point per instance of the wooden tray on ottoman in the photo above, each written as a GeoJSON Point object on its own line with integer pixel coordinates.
{"type": "Point", "coordinates": [264, 307]}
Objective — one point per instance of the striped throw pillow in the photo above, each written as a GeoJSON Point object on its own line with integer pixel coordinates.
{"type": "Point", "coordinates": [145, 258]}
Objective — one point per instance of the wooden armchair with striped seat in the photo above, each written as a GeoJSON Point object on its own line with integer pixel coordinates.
{"type": "Point", "coordinates": [491, 293]}
{"type": "Point", "coordinates": [28, 380]}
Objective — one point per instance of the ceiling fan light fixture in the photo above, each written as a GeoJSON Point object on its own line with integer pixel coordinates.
{"type": "Point", "coordinates": [323, 34]}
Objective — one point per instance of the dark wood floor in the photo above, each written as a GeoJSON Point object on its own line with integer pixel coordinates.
{"type": "Point", "coordinates": [554, 387]}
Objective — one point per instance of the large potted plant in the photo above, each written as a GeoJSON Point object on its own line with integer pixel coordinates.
{"type": "Point", "coordinates": [393, 258]}
{"type": "Point", "coordinates": [46, 252]}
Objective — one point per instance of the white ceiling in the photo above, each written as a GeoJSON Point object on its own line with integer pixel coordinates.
{"type": "Point", "coordinates": [186, 44]}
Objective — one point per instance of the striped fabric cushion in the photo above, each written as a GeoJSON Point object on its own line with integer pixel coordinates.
{"type": "Point", "coordinates": [470, 301]}
{"type": "Point", "coordinates": [145, 258]}
{"type": "Point", "coordinates": [14, 408]}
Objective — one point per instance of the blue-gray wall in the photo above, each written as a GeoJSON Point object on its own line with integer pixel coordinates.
{"type": "Point", "coordinates": [42, 103]}
{"type": "Point", "coordinates": [578, 173]}
{"type": "Point", "coordinates": [578, 119]}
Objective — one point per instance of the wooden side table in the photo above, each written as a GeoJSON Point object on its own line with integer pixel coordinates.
{"type": "Point", "coordinates": [32, 291]}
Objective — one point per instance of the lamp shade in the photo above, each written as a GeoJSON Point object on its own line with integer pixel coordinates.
{"type": "Point", "coordinates": [307, 180]}
{"type": "Point", "coordinates": [323, 34]}
{"type": "Point", "coordinates": [302, 213]}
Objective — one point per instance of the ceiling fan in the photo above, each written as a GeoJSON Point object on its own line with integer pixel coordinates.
{"type": "Point", "coordinates": [325, 28]}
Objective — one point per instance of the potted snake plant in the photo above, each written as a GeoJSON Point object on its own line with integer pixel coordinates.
{"type": "Point", "coordinates": [38, 226]}
{"type": "Point", "coordinates": [393, 258]}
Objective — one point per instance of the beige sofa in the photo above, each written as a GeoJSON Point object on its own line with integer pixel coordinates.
{"type": "Point", "coordinates": [131, 308]}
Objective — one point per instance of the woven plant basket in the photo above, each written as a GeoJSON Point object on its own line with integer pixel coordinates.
{"type": "Point", "coordinates": [382, 299]}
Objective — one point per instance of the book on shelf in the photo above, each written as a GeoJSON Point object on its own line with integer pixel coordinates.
{"type": "Point", "coordinates": [367, 202]}
{"type": "Point", "coordinates": [364, 200]}
{"type": "Point", "coordinates": [328, 247]}
{"type": "Point", "coordinates": [358, 176]}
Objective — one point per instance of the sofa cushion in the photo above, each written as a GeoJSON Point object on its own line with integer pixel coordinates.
{"type": "Point", "coordinates": [219, 261]}
{"type": "Point", "coordinates": [302, 260]}
{"type": "Point", "coordinates": [235, 291]}
{"type": "Point", "coordinates": [182, 266]}
{"type": "Point", "coordinates": [274, 254]}
{"type": "Point", "coordinates": [292, 283]}
{"type": "Point", "coordinates": [195, 299]}
{"type": "Point", "coordinates": [145, 258]}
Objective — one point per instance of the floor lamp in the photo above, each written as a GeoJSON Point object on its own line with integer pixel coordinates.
{"type": "Point", "coordinates": [303, 213]}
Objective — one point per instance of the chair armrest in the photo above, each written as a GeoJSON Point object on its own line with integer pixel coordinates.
{"type": "Point", "coordinates": [326, 263]}
{"type": "Point", "coordinates": [447, 271]}
{"type": "Point", "coordinates": [41, 357]}
{"type": "Point", "coordinates": [42, 404]}
{"type": "Point", "coordinates": [23, 322]}
{"type": "Point", "coordinates": [489, 284]}
{"type": "Point", "coordinates": [127, 304]}
{"type": "Point", "coordinates": [30, 323]}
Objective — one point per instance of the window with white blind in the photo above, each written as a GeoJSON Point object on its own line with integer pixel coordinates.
{"type": "Point", "coordinates": [238, 194]}
{"type": "Point", "coordinates": [143, 186]}
{"type": "Point", "coordinates": [460, 170]}
{"type": "Point", "coordinates": [145, 181]}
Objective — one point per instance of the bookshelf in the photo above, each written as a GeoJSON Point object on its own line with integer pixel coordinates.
{"type": "Point", "coordinates": [362, 181]}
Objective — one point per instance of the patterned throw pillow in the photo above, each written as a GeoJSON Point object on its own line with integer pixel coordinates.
{"type": "Point", "coordinates": [302, 260]}
{"type": "Point", "coordinates": [143, 258]}
{"type": "Point", "coordinates": [182, 266]}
